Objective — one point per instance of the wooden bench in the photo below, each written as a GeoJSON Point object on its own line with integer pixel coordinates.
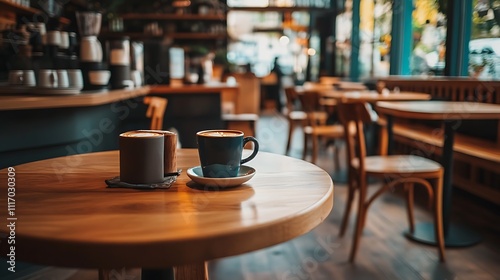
{"type": "Point", "coordinates": [477, 157]}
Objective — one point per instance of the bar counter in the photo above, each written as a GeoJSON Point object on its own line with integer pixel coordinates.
{"type": "Point", "coordinates": [45, 126]}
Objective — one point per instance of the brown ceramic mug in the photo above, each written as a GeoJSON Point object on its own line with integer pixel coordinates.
{"type": "Point", "coordinates": [141, 157]}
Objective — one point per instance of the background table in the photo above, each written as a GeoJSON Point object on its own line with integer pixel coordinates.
{"type": "Point", "coordinates": [67, 216]}
{"type": "Point", "coordinates": [373, 96]}
{"type": "Point", "coordinates": [448, 112]}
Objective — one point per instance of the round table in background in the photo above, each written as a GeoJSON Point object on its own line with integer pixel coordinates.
{"type": "Point", "coordinates": [449, 112]}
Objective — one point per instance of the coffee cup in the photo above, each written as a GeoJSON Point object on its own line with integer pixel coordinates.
{"type": "Point", "coordinates": [29, 78]}
{"type": "Point", "coordinates": [99, 77]}
{"type": "Point", "coordinates": [62, 79]}
{"type": "Point", "coordinates": [220, 152]}
{"type": "Point", "coordinates": [64, 40]}
{"type": "Point", "coordinates": [16, 77]}
{"type": "Point", "coordinates": [54, 38]}
{"type": "Point", "coordinates": [141, 157]}
{"type": "Point", "coordinates": [47, 78]}
{"type": "Point", "coordinates": [75, 78]}
{"type": "Point", "coordinates": [136, 77]}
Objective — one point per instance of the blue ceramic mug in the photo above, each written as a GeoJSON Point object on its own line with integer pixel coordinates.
{"type": "Point", "coordinates": [220, 152]}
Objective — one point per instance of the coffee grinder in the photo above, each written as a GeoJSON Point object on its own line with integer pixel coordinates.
{"type": "Point", "coordinates": [118, 49]}
{"type": "Point", "coordinates": [91, 54]}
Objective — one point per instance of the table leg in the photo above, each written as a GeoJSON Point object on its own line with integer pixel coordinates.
{"type": "Point", "coordinates": [390, 136]}
{"type": "Point", "coordinates": [192, 272]}
{"type": "Point", "coordinates": [454, 236]}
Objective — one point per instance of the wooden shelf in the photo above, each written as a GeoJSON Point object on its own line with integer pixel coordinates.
{"type": "Point", "coordinates": [131, 35]}
{"type": "Point", "coordinates": [197, 36]}
{"type": "Point", "coordinates": [190, 35]}
{"type": "Point", "coordinates": [277, 9]}
{"type": "Point", "coordinates": [281, 28]}
{"type": "Point", "coordinates": [18, 9]}
{"type": "Point", "coordinates": [155, 16]}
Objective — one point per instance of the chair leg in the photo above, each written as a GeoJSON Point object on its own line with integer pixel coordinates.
{"type": "Point", "coordinates": [315, 145]}
{"type": "Point", "coordinates": [359, 221]}
{"type": "Point", "coordinates": [336, 156]}
{"type": "Point", "coordinates": [383, 141]}
{"type": "Point", "coordinates": [291, 127]}
{"type": "Point", "coordinates": [304, 151]}
{"type": "Point", "coordinates": [438, 218]}
{"type": "Point", "coordinates": [409, 205]}
{"type": "Point", "coordinates": [347, 212]}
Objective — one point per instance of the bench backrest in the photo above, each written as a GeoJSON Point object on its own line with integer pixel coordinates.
{"type": "Point", "coordinates": [453, 89]}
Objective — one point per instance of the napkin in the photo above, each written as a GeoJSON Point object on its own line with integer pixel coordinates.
{"type": "Point", "coordinates": [168, 180]}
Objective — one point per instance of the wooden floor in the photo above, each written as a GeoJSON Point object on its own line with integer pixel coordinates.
{"type": "Point", "coordinates": [384, 252]}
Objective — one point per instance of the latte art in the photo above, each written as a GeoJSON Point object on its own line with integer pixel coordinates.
{"type": "Point", "coordinates": [221, 133]}
{"type": "Point", "coordinates": [141, 134]}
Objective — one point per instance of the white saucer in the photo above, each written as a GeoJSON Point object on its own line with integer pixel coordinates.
{"type": "Point", "coordinates": [196, 174]}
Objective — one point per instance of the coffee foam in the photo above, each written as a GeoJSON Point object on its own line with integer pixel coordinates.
{"type": "Point", "coordinates": [140, 134]}
{"type": "Point", "coordinates": [222, 133]}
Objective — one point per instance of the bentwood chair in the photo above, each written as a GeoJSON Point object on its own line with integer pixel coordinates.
{"type": "Point", "coordinates": [317, 128]}
{"type": "Point", "coordinates": [156, 111]}
{"type": "Point", "coordinates": [398, 170]}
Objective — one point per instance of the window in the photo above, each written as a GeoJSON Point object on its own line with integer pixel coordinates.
{"type": "Point", "coordinates": [429, 38]}
{"type": "Point", "coordinates": [484, 46]}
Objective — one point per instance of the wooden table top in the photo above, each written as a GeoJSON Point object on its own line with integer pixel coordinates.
{"type": "Point", "coordinates": [350, 86]}
{"type": "Point", "coordinates": [309, 86]}
{"type": "Point", "coordinates": [373, 96]}
{"type": "Point", "coordinates": [439, 110]}
{"type": "Point", "coordinates": [67, 217]}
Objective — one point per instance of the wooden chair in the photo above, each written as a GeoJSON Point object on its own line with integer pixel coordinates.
{"type": "Point", "coordinates": [245, 113]}
{"type": "Point", "coordinates": [294, 116]}
{"type": "Point", "coordinates": [156, 111]}
{"type": "Point", "coordinates": [399, 170]}
{"type": "Point", "coordinates": [317, 128]}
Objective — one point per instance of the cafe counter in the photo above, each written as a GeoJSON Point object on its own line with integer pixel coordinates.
{"type": "Point", "coordinates": [37, 127]}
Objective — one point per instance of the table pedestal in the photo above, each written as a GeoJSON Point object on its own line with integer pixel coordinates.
{"type": "Point", "coordinates": [457, 236]}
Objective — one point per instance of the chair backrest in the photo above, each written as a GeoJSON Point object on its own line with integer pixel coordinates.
{"type": "Point", "coordinates": [156, 111]}
{"type": "Point", "coordinates": [316, 113]}
{"type": "Point", "coordinates": [310, 101]}
{"type": "Point", "coordinates": [353, 116]}
{"type": "Point", "coordinates": [291, 98]}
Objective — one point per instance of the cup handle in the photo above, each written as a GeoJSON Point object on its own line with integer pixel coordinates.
{"type": "Point", "coordinates": [53, 79]}
{"type": "Point", "coordinates": [255, 148]}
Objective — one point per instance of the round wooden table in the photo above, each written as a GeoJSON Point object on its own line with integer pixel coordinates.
{"type": "Point", "coordinates": [449, 112]}
{"type": "Point", "coordinates": [66, 216]}
{"type": "Point", "coordinates": [373, 96]}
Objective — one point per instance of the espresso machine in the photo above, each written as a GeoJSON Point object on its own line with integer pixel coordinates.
{"type": "Point", "coordinates": [94, 70]}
